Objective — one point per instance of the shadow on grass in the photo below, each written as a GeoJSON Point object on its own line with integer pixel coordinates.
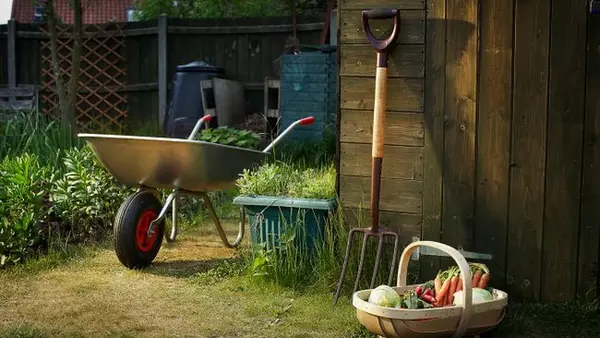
{"type": "Point", "coordinates": [191, 268]}
{"type": "Point", "coordinates": [549, 320]}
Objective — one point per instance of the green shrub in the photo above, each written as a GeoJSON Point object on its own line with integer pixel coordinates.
{"type": "Point", "coordinates": [24, 186]}
{"type": "Point", "coordinates": [288, 180]}
{"type": "Point", "coordinates": [86, 198]}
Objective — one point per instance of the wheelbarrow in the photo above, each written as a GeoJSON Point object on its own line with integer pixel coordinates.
{"type": "Point", "coordinates": [184, 166]}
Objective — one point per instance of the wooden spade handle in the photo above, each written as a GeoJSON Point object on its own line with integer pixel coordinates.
{"type": "Point", "coordinates": [377, 150]}
{"type": "Point", "coordinates": [382, 47]}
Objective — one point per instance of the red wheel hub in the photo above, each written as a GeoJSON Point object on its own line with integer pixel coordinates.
{"type": "Point", "coordinates": [143, 241]}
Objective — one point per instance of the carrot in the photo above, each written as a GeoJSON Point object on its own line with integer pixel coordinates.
{"type": "Point", "coordinates": [485, 278]}
{"type": "Point", "coordinates": [438, 285]}
{"type": "Point", "coordinates": [444, 289]}
{"type": "Point", "coordinates": [476, 278]}
{"type": "Point", "coordinates": [459, 285]}
{"type": "Point", "coordinates": [453, 285]}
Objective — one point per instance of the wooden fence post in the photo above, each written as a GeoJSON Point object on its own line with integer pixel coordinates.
{"type": "Point", "coordinates": [12, 56]}
{"type": "Point", "coordinates": [162, 69]}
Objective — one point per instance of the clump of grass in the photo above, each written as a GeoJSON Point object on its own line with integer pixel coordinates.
{"type": "Point", "coordinates": [295, 265]}
{"type": "Point", "coordinates": [31, 133]}
{"type": "Point", "coordinates": [288, 180]}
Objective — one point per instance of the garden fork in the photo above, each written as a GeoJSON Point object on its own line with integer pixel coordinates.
{"type": "Point", "coordinates": [382, 48]}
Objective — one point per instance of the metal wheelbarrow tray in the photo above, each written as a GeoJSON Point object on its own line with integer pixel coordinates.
{"type": "Point", "coordinates": [185, 166]}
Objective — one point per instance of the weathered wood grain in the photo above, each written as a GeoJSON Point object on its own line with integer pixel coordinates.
{"type": "Point", "coordinates": [433, 157]}
{"type": "Point", "coordinates": [459, 148]}
{"type": "Point", "coordinates": [406, 225]}
{"type": "Point", "coordinates": [404, 94]}
{"type": "Point", "coordinates": [398, 162]}
{"type": "Point", "coordinates": [400, 129]}
{"type": "Point", "coordinates": [397, 195]}
{"type": "Point", "coordinates": [404, 61]}
{"type": "Point", "coordinates": [368, 4]}
{"type": "Point", "coordinates": [588, 275]}
{"type": "Point", "coordinates": [493, 133]}
{"type": "Point", "coordinates": [412, 30]}
{"type": "Point", "coordinates": [563, 160]}
{"type": "Point", "coordinates": [528, 158]}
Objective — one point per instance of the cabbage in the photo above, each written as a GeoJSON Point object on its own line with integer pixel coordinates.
{"type": "Point", "coordinates": [384, 295]}
{"type": "Point", "coordinates": [479, 296]}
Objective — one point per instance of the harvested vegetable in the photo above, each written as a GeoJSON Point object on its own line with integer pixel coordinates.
{"type": "Point", "coordinates": [410, 300]}
{"type": "Point", "coordinates": [429, 298]}
{"type": "Point", "coordinates": [384, 295]}
{"type": "Point", "coordinates": [453, 284]}
{"type": "Point", "coordinates": [485, 278]}
{"type": "Point", "coordinates": [419, 290]}
{"type": "Point", "coordinates": [438, 284]}
{"type": "Point", "coordinates": [479, 296]}
{"type": "Point", "coordinates": [476, 278]}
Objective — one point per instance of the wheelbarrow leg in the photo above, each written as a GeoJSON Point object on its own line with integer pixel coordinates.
{"type": "Point", "coordinates": [174, 230]}
{"type": "Point", "coordinates": [215, 219]}
{"type": "Point", "coordinates": [163, 211]}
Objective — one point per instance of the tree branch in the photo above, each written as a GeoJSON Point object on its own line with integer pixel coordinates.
{"type": "Point", "coordinates": [60, 87]}
{"type": "Point", "coordinates": [76, 60]}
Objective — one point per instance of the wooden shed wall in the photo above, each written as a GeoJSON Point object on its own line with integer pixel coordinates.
{"type": "Point", "coordinates": [492, 135]}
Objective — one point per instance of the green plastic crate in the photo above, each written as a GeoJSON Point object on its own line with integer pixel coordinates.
{"type": "Point", "coordinates": [271, 217]}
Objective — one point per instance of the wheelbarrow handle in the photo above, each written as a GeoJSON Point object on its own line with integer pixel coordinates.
{"type": "Point", "coordinates": [303, 122]}
{"type": "Point", "coordinates": [205, 118]}
{"type": "Point", "coordinates": [381, 13]}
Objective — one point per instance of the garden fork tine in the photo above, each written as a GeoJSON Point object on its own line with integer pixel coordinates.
{"type": "Point", "coordinates": [382, 48]}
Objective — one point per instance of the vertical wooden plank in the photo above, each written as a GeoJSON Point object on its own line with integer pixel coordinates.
{"type": "Point", "coordinates": [229, 48]}
{"type": "Point", "coordinates": [266, 55]}
{"type": "Point", "coordinates": [433, 158]}
{"type": "Point", "coordinates": [493, 133]}
{"type": "Point", "coordinates": [459, 152]}
{"type": "Point", "coordinates": [254, 60]}
{"type": "Point", "coordinates": [528, 157]}
{"type": "Point", "coordinates": [588, 276]}
{"type": "Point", "coordinates": [563, 159]}
{"type": "Point", "coordinates": [12, 54]}
{"type": "Point", "coordinates": [162, 69]}
{"type": "Point", "coordinates": [242, 58]}
{"type": "Point", "coordinates": [220, 52]}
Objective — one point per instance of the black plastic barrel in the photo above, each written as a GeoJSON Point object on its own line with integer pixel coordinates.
{"type": "Point", "coordinates": [186, 102]}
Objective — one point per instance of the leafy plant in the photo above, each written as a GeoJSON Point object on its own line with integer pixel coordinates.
{"type": "Point", "coordinates": [24, 185]}
{"type": "Point", "coordinates": [231, 137]}
{"type": "Point", "coordinates": [86, 197]}
{"type": "Point", "coordinates": [288, 180]}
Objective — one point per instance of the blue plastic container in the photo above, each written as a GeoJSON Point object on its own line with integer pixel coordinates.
{"type": "Point", "coordinates": [275, 220]}
{"type": "Point", "coordinates": [309, 87]}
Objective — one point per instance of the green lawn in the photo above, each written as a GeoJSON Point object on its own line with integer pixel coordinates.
{"type": "Point", "coordinates": [193, 290]}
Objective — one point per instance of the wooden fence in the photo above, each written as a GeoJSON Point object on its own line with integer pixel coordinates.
{"type": "Point", "coordinates": [492, 135]}
{"type": "Point", "coordinates": [148, 53]}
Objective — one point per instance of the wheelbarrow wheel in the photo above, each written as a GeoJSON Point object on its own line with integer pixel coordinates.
{"type": "Point", "coordinates": [134, 248]}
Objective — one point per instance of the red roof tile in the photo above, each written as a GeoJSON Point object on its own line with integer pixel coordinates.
{"type": "Point", "coordinates": [94, 11]}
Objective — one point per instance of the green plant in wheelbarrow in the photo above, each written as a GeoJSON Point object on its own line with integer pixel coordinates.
{"type": "Point", "coordinates": [181, 166]}
{"type": "Point", "coordinates": [231, 137]}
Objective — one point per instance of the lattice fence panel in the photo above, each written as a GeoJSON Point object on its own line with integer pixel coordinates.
{"type": "Point", "coordinates": [101, 104]}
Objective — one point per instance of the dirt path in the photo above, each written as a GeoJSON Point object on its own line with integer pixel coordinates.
{"type": "Point", "coordinates": [97, 297]}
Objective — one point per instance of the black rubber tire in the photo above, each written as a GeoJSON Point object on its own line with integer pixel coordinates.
{"type": "Point", "coordinates": [125, 227]}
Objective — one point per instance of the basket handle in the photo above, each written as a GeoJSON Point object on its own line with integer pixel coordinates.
{"type": "Point", "coordinates": [467, 310]}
